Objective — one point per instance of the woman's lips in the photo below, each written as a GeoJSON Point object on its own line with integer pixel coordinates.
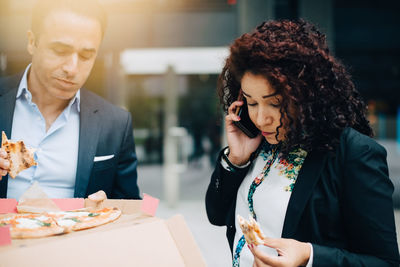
{"type": "Point", "coordinates": [267, 133]}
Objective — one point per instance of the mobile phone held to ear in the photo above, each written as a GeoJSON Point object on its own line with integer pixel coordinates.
{"type": "Point", "coordinates": [245, 124]}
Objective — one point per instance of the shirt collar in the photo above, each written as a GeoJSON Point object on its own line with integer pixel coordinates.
{"type": "Point", "coordinates": [75, 101]}
{"type": "Point", "coordinates": [23, 85]}
{"type": "Point", "coordinates": [23, 89]}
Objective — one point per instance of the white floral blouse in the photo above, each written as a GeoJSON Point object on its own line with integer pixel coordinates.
{"type": "Point", "coordinates": [264, 195]}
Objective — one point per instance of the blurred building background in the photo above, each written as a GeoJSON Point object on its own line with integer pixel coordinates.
{"type": "Point", "coordinates": [160, 60]}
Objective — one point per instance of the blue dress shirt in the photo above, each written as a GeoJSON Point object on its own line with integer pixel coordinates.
{"type": "Point", "coordinates": [56, 149]}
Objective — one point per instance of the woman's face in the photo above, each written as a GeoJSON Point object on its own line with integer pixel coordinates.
{"type": "Point", "coordinates": [264, 106]}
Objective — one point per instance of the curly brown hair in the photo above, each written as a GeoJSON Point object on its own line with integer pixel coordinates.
{"type": "Point", "coordinates": [294, 57]}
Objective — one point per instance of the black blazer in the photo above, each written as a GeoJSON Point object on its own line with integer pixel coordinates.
{"type": "Point", "coordinates": [104, 130]}
{"type": "Point", "coordinates": [341, 203]}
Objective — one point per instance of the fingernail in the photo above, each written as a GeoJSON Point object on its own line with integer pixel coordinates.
{"type": "Point", "coordinates": [238, 117]}
{"type": "Point", "coordinates": [7, 164]}
{"type": "Point", "coordinates": [248, 246]}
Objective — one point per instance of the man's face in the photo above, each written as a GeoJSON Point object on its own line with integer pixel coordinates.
{"type": "Point", "coordinates": [63, 54]}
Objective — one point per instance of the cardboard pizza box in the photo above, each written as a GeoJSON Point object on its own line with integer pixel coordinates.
{"type": "Point", "coordinates": [135, 239]}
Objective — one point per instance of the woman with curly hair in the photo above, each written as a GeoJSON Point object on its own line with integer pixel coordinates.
{"type": "Point", "coordinates": [313, 177]}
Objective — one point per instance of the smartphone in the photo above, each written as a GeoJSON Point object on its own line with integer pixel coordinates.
{"type": "Point", "coordinates": [245, 124]}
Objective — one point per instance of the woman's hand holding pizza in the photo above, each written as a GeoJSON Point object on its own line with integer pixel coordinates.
{"type": "Point", "coordinates": [4, 163]}
{"type": "Point", "coordinates": [240, 145]}
{"type": "Point", "coordinates": [290, 253]}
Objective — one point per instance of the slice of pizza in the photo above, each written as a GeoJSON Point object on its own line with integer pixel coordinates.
{"type": "Point", "coordinates": [24, 226]}
{"type": "Point", "coordinates": [80, 220]}
{"type": "Point", "coordinates": [18, 154]}
{"type": "Point", "coordinates": [251, 231]}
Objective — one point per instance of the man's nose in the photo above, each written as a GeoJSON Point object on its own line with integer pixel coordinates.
{"type": "Point", "coordinates": [71, 65]}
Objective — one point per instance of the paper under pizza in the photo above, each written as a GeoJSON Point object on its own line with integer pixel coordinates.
{"type": "Point", "coordinates": [251, 231]}
{"type": "Point", "coordinates": [24, 226]}
{"type": "Point", "coordinates": [18, 154]}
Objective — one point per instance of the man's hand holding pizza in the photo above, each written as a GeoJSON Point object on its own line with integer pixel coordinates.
{"type": "Point", "coordinates": [14, 157]}
{"type": "Point", "coordinates": [4, 163]}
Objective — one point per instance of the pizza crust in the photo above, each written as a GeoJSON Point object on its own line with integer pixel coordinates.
{"type": "Point", "coordinates": [43, 232]}
{"type": "Point", "coordinates": [98, 197]}
{"type": "Point", "coordinates": [251, 231]}
{"type": "Point", "coordinates": [19, 156]}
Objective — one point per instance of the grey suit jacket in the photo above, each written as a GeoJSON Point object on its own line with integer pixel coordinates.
{"type": "Point", "coordinates": [104, 130]}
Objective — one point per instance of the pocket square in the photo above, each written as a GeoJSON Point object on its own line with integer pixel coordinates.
{"type": "Point", "coordinates": [102, 158]}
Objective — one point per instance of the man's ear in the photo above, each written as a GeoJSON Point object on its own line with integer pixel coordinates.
{"type": "Point", "coordinates": [31, 42]}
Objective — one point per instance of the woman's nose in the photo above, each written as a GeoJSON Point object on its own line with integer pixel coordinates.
{"type": "Point", "coordinates": [264, 118]}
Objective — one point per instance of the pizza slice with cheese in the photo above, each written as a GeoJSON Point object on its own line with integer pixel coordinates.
{"type": "Point", "coordinates": [19, 156]}
{"type": "Point", "coordinates": [24, 226]}
{"type": "Point", "coordinates": [251, 231]}
{"type": "Point", "coordinates": [80, 220]}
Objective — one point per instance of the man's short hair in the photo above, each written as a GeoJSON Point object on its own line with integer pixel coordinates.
{"type": "Point", "coordinates": [87, 8]}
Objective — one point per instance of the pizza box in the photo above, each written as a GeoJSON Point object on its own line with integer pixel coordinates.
{"type": "Point", "coordinates": [135, 239]}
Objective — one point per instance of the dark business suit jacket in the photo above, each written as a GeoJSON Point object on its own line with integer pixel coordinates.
{"type": "Point", "coordinates": [341, 203]}
{"type": "Point", "coordinates": [104, 130]}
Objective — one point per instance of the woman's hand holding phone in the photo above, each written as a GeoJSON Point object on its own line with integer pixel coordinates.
{"type": "Point", "coordinates": [240, 145]}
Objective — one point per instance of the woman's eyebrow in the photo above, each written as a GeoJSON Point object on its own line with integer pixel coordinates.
{"type": "Point", "coordinates": [271, 95]}
{"type": "Point", "coordinates": [246, 94]}
{"type": "Point", "coordinates": [265, 96]}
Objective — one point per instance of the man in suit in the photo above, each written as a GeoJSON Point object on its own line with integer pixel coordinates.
{"type": "Point", "coordinates": [83, 143]}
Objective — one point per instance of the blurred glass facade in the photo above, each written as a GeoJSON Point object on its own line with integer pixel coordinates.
{"type": "Point", "coordinates": [362, 33]}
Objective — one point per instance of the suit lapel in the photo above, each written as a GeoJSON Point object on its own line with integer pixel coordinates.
{"type": "Point", "coordinates": [88, 138]}
{"type": "Point", "coordinates": [8, 93]}
{"type": "Point", "coordinates": [305, 183]}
